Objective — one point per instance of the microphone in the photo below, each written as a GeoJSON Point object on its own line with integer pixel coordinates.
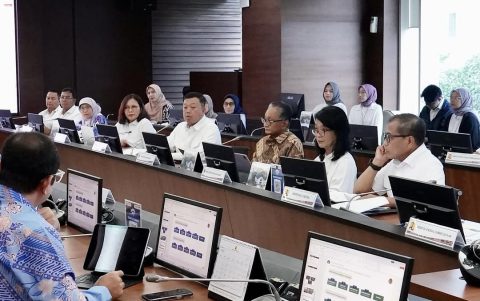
{"type": "Point", "coordinates": [75, 235]}
{"type": "Point", "coordinates": [164, 127]}
{"type": "Point", "coordinates": [260, 128]}
{"type": "Point", "coordinates": [231, 140]}
{"type": "Point", "coordinates": [111, 114]}
{"type": "Point", "coordinates": [158, 278]}
{"type": "Point", "coordinates": [364, 194]}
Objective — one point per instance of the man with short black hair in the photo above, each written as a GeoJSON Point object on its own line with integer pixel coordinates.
{"type": "Point", "coordinates": [436, 109]}
{"type": "Point", "coordinates": [279, 141]}
{"type": "Point", "coordinates": [402, 154]}
{"type": "Point", "coordinates": [52, 103]}
{"type": "Point", "coordinates": [34, 264]}
{"type": "Point", "coordinates": [69, 109]}
{"type": "Point", "coordinates": [195, 129]}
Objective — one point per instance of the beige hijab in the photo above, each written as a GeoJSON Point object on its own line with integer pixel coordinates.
{"type": "Point", "coordinates": [158, 108]}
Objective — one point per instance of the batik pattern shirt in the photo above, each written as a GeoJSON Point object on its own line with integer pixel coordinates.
{"type": "Point", "coordinates": [269, 149]}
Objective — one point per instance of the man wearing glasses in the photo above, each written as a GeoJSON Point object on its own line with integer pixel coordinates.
{"type": "Point", "coordinates": [436, 109]}
{"type": "Point", "coordinates": [402, 154]}
{"type": "Point", "coordinates": [278, 140]}
{"type": "Point", "coordinates": [69, 109]}
{"type": "Point", "coordinates": [34, 264]}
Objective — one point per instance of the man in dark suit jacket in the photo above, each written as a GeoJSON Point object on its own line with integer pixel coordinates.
{"type": "Point", "coordinates": [436, 109]}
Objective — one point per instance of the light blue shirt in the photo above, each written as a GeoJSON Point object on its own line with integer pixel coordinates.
{"type": "Point", "coordinates": [33, 264]}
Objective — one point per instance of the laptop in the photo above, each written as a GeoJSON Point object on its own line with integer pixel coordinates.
{"type": "Point", "coordinates": [336, 269]}
{"type": "Point", "coordinates": [112, 248]}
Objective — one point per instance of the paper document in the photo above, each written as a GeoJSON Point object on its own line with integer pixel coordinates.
{"type": "Point", "coordinates": [363, 205]}
{"type": "Point", "coordinates": [131, 151]}
{"type": "Point", "coordinates": [471, 231]}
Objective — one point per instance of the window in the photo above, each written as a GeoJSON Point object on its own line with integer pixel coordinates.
{"type": "Point", "coordinates": [8, 57]}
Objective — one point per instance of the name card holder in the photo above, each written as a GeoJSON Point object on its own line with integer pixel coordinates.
{"type": "Point", "coordinates": [434, 233]}
{"type": "Point", "coordinates": [462, 158]}
{"type": "Point", "coordinates": [301, 197]}
{"type": "Point", "coordinates": [148, 159]}
{"type": "Point", "coordinates": [61, 138]}
{"type": "Point", "coordinates": [277, 178]}
{"type": "Point", "coordinates": [25, 129]}
{"type": "Point", "coordinates": [101, 147]}
{"type": "Point", "coordinates": [259, 175]}
{"type": "Point", "coordinates": [215, 175]}
{"type": "Point", "coordinates": [107, 196]}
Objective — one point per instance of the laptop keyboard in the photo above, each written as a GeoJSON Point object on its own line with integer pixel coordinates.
{"type": "Point", "coordinates": [87, 281]}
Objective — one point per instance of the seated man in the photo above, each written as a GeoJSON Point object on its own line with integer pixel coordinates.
{"type": "Point", "coordinates": [404, 145]}
{"type": "Point", "coordinates": [34, 263]}
{"type": "Point", "coordinates": [195, 129]}
{"type": "Point", "coordinates": [53, 106]}
{"type": "Point", "coordinates": [69, 109]}
{"type": "Point", "coordinates": [436, 109]}
{"type": "Point", "coordinates": [278, 140]}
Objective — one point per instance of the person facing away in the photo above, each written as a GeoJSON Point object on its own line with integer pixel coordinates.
{"type": "Point", "coordinates": [332, 141]}
{"type": "Point", "coordinates": [69, 109]}
{"type": "Point", "coordinates": [52, 102]}
{"type": "Point", "coordinates": [158, 107]}
{"type": "Point", "coordinates": [278, 140]}
{"type": "Point", "coordinates": [90, 114]}
{"type": "Point", "coordinates": [34, 263]}
{"type": "Point", "coordinates": [132, 121]}
{"type": "Point", "coordinates": [463, 119]}
{"type": "Point", "coordinates": [367, 112]}
{"type": "Point", "coordinates": [331, 95]}
{"type": "Point", "coordinates": [402, 154]}
{"type": "Point", "coordinates": [436, 109]}
{"type": "Point", "coordinates": [195, 129]}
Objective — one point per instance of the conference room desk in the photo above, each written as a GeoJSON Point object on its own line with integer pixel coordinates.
{"type": "Point", "coordinates": [249, 214]}
{"type": "Point", "coordinates": [443, 286]}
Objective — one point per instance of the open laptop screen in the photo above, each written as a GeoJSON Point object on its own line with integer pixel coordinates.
{"type": "Point", "coordinates": [335, 269]}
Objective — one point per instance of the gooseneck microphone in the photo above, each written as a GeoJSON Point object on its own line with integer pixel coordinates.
{"type": "Point", "coordinates": [364, 194]}
{"type": "Point", "coordinates": [158, 278]}
{"type": "Point", "coordinates": [231, 140]}
{"type": "Point", "coordinates": [257, 129]}
{"type": "Point", "coordinates": [75, 235]}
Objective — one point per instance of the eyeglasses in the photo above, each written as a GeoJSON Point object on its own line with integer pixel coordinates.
{"type": "Point", "coordinates": [228, 104]}
{"type": "Point", "coordinates": [269, 122]}
{"type": "Point", "coordinates": [387, 137]}
{"type": "Point", "coordinates": [57, 177]}
{"type": "Point", "coordinates": [320, 132]}
{"type": "Point", "coordinates": [131, 108]}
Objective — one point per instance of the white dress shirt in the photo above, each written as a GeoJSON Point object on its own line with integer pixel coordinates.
{"type": "Point", "coordinates": [341, 105]}
{"type": "Point", "coordinates": [132, 132]}
{"type": "Point", "coordinates": [190, 138]}
{"type": "Point", "coordinates": [342, 173]}
{"type": "Point", "coordinates": [434, 112]}
{"type": "Point", "coordinates": [73, 114]}
{"type": "Point", "coordinates": [455, 122]}
{"type": "Point", "coordinates": [372, 115]}
{"type": "Point", "coordinates": [48, 116]}
{"type": "Point", "coordinates": [420, 165]}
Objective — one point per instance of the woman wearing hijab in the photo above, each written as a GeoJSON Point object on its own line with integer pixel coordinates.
{"type": "Point", "coordinates": [158, 107]}
{"type": "Point", "coordinates": [209, 107]}
{"type": "Point", "coordinates": [231, 105]}
{"type": "Point", "coordinates": [367, 112]}
{"type": "Point", "coordinates": [90, 114]}
{"type": "Point", "coordinates": [463, 119]}
{"type": "Point", "coordinates": [331, 95]}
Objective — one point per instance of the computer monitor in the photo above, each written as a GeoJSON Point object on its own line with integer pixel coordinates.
{"type": "Point", "coordinates": [426, 201]}
{"type": "Point", "coordinates": [295, 101]}
{"type": "Point", "coordinates": [36, 122]}
{"type": "Point", "coordinates": [158, 144]}
{"type": "Point", "coordinates": [441, 142]}
{"type": "Point", "coordinates": [296, 128]}
{"type": "Point", "coordinates": [231, 123]}
{"type": "Point", "coordinates": [175, 117]}
{"type": "Point", "coordinates": [84, 200]}
{"type": "Point", "coordinates": [109, 134]}
{"type": "Point", "coordinates": [68, 127]}
{"type": "Point", "coordinates": [363, 137]}
{"type": "Point", "coordinates": [221, 157]}
{"type": "Point", "coordinates": [336, 269]}
{"type": "Point", "coordinates": [188, 236]}
{"type": "Point", "coordinates": [307, 175]}
{"type": "Point", "coordinates": [6, 119]}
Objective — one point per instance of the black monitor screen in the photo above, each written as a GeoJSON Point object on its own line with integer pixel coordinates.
{"type": "Point", "coordinates": [175, 116]}
{"type": "Point", "coordinates": [441, 142]}
{"type": "Point", "coordinates": [84, 200]}
{"type": "Point", "coordinates": [296, 128]}
{"type": "Point", "coordinates": [426, 201]}
{"type": "Point", "coordinates": [295, 101]}
{"type": "Point", "coordinates": [6, 119]}
{"type": "Point", "coordinates": [188, 236]}
{"type": "Point", "coordinates": [36, 122]}
{"type": "Point", "coordinates": [307, 175]}
{"type": "Point", "coordinates": [336, 269]}
{"type": "Point", "coordinates": [231, 123]}
{"type": "Point", "coordinates": [221, 157]}
{"type": "Point", "coordinates": [363, 137]}
{"type": "Point", "coordinates": [109, 134]}
{"type": "Point", "coordinates": [68, 127]}
{"type": "Point", "coordinates": [158, 145]}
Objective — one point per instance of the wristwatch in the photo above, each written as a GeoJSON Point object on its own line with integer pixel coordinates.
{"type": "Point", "coordinates": [373, 166]}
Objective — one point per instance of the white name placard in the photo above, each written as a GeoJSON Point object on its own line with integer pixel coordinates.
{"type": "Point", "coordinates": [301, 197]}
{"type": "Point", "coordinates": [148, 159]}
{"type": "Point", "coordinates": [101, 147]}
{"type": "Point", "coordinates": [61, 138]}
{"type": "Point", "coordinates": [215, 175]}
{"type": "Point", "coordinates": [433, 233]}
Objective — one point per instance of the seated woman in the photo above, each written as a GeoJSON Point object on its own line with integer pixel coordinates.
{"type": "Point", "coordinates": [367, 112]}
{"type": "Point", "coordinates": [331, 95]}
{"type": "Point", "coordinates": [463, 119]}
{"type": "Point", "coordinates": [231, 105]}
{"type": "Point", "coordinates": [132, 121]}
{"type": "Point", "coordinates": [331, 138]}
{"type": "Point", "coordinates": [90, 114]}
{"type": "Point", "coordinates": [209, 107]}
{"type": "Point", "coordinates": [158, 107]}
